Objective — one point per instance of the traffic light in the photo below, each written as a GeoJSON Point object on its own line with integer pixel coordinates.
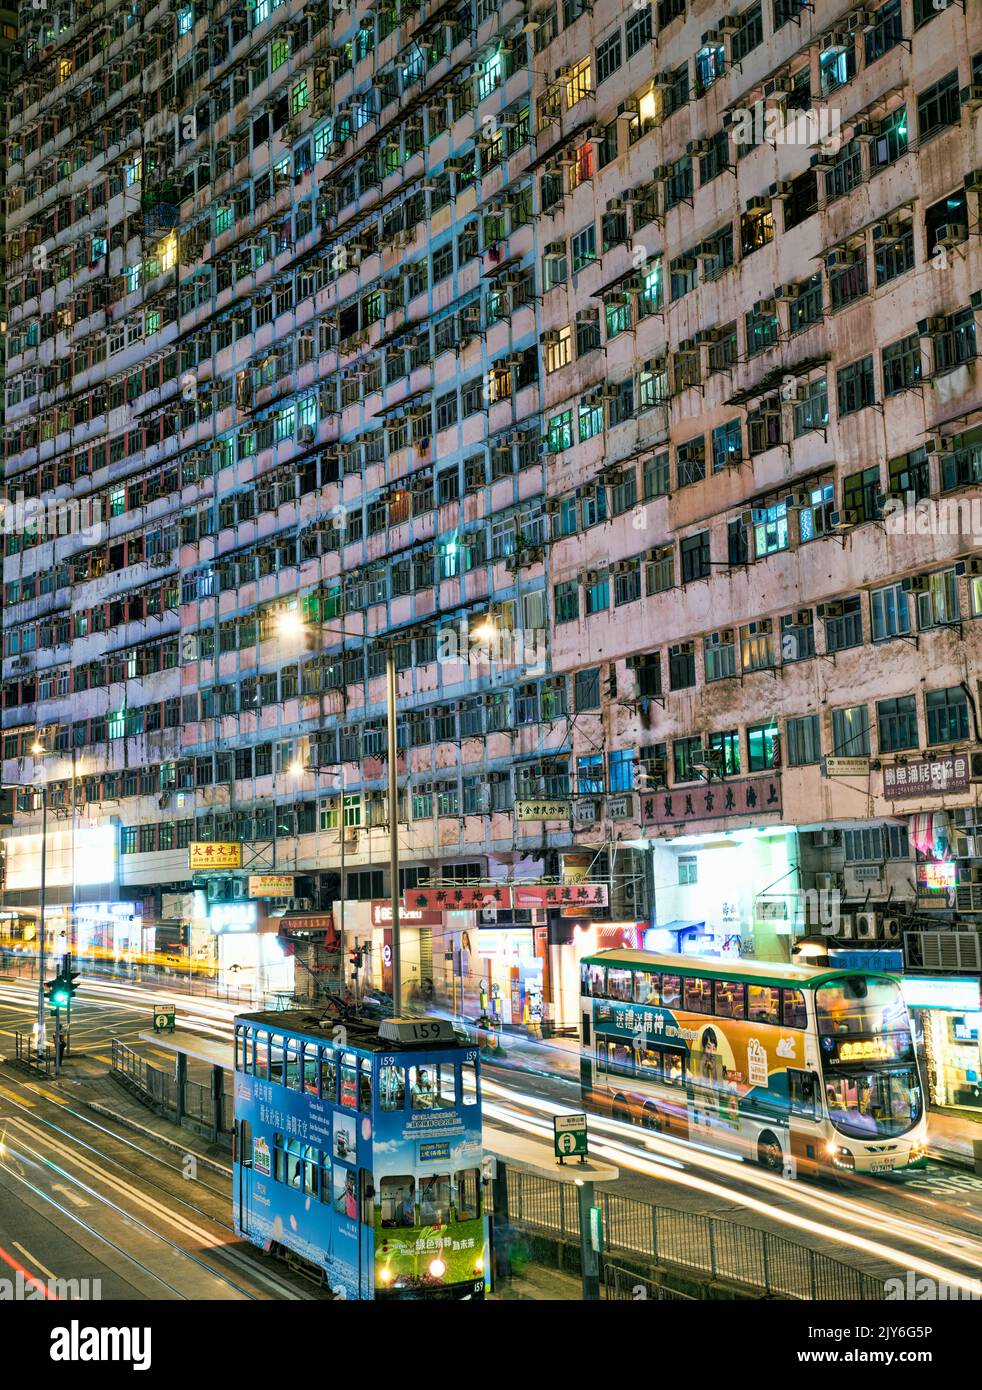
{"type": "Point", "coordinates": [61, 990]}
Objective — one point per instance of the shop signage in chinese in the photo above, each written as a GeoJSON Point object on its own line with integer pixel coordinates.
{"type": "Point", "coordinates": [560, 895]}
{"type": "Point", "coordinates": [271, 886]}
{"type": "Point", "coordinates": [208, 854]}
{"type": "Point", "coordinates": [846, 767]}
{"type": "Point", "coordinates": [542, 810]}
{"type": "Point", "coordinates": [444, 899]}
{"type": "Point", "coordinates": [938, 876]}
{"type": "Point", "coordinates": [923, 778]}
{"type": "Point", "coordinates": [748, 796]}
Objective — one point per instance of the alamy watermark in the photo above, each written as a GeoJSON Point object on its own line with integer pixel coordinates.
{"type": "Point", "coordinates": [26, 1289]}
{"type": "Point", "coordinates": [483, 644]}
{"type": "Point", "coordinates": [929, 516]}
{"type": "Point", "coordinates": [55, 516]}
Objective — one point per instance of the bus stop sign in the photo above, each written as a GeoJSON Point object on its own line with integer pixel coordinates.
{"type": "Point", "coordinates": [163, 1018]}
{"type": "Point", "coordinates": [569, 1137]}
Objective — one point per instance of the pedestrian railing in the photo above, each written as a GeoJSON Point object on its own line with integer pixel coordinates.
{"type": "Point", "coordinates": [26, 1054]}
{"type": "Point", "coordinates": [624, 1285]}
{"type": "Point", "coordinates": [707, 1246]}
{"type": "Point", "coordinates": [160, 1089]}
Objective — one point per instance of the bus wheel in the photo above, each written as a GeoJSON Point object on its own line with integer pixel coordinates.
{"type": "Point", "coordinates": [622, 1112]}
{"type": "Point", "coordinates": [650, 1119]}
{"type": "Point", "coordinates": [769, 1153]}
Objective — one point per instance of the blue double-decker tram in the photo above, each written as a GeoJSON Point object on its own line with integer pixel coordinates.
{"type": "Point", "coordinates": [358, 1149]}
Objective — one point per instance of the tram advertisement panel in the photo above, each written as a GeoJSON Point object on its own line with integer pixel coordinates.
{"type": "Point", "coordinates": [740, 1057]}
{"type": "Point", "coordinates": [321, 1225]}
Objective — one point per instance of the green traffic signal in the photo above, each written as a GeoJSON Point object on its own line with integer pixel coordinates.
{"type": "Point", "coordinates": [60, 997]}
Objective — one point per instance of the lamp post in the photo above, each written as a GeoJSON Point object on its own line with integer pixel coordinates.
{"type": "Point", "coordinates": [38, 749]}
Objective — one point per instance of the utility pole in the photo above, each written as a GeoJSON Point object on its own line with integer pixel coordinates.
{"type": "Point", "coordinates": [42, 960]}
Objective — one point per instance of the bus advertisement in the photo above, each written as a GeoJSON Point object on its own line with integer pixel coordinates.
{"type": "Point", "coordinates": [358, 1148]}
{"type": "Point", "coordinates": [794, 1067]}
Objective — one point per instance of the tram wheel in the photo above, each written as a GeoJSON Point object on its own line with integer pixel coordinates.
{"type": "Point", "coordinates": [650, 1119]}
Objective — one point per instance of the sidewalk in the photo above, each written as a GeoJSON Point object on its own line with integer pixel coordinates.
{"type": "Point", "coordinates": [950, 1137]}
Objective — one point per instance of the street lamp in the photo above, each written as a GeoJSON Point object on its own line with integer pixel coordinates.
{"type": "Point", "coordinates": [290, 623]}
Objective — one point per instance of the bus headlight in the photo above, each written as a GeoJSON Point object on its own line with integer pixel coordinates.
{"type": "Point", "coordinates": [437, 1268]}
{"type": "Point", "coordinates": [918, 1152]}
{"type": "Point", "coordinates": [842, 1158]}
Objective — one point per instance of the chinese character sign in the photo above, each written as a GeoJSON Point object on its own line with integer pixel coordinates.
{"type": "Point", "coordinates": [939, 775]}
{"type": "Point", "coordinates": [748, 796]}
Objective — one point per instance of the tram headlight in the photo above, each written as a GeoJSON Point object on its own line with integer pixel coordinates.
{"type": "Point", "coordinates": [437, 1268]}
{"type": "Point", "coordinates": [479, 1265]}
{"type": "Point", "coordinates": [385, 1275]}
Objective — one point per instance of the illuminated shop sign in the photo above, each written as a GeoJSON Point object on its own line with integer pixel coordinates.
{"type": "Point", "coordinates": [925, 992]}
{"type": "Point", "coordinates": [940, 876]}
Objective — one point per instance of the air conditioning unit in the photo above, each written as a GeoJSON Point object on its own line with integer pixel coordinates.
{"type": "Point", "coordinates": [758, 205]}
{"type": "Point", "coordinates": [830, 610]}
{"type": "Point", "coordinates": [787, 294]}
{"type": "Point", "coordinates": [867, 926]}
{"type": "Point", "coordinates": [306, 434]}
{"type": "Point", "coordinates": [891, 929]}
{"type": "Point", "coordinates": [836, 40]}
{"type": "Point", "coordinates": [951, 234]}
{"type": "Point", "coordinates": [298, 904]}
{"type": "Point", "coordinates": [847, 926]}
{"type": "Point", "coordinates": [971, 96]}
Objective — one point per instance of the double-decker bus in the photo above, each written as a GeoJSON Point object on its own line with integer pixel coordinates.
{"type": "Point", "coordinates": [796, 1067]}
{"type": "Point", "coordinates": [358, 1149]}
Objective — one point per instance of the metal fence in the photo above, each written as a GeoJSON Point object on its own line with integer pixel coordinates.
{"type": "Point", "coordinates": [708, 1246]}
{"type": "Point", "coordinates": [623, 1285]}
{"type": "Point", "coordinates": [160, 1088]}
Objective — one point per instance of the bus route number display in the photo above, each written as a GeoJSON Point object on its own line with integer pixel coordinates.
{"type": "Point", "coordinates": [569, 1137]}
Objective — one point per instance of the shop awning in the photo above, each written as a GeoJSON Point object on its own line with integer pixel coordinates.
{"type": "Point", "coordinates": [294, 925]}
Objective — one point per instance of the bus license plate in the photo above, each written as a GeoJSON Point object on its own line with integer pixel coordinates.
{"type": "Point", "coordinates": [882, 1165]}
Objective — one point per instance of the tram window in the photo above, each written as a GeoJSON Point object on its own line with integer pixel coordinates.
{"type": "Point", "coordinates": [432, 1087]}
{"type": "Point", "coordinates": [468, 1182]}
{"type": "Point", "coordinates": [801, 1086]}
{"type": "Point", "coordinates": [260, 1055]}
{"type": "Point", "coordinates": [592, 977]}
{"type": "Point", "coordinates": [294, 1155]}
{"type": "Point", "coordinates": [697, 995]}
{"type": "Point", "coordinates": [731, 998]}
{"type": "Point", "coordinates": [309, 1169]}
{"type": "Point", "coordinates": [349, 1081]}
{"type": "Point", "coordinates": [764, 1004]}
{"type": "Point", "coordinates": [646, 987]}
{"type": "Point", "coordinates": [468, 1083]}
{"type": "Point", "coordinates": [325, 1176]}
{"type": "Point", "coordinates": [365, 1086]}
{"type": "Point", "coordinates": [671, 991]}
{"type": "Point", "coordinates": [673, 1066]}
{"type": "Point", "coordinates": [276, 1058]}
{"type": "Point", "coordinates": [434, 1199]}
{"type": "Point", "coordinates": [329, 1076]}
{"type": "Point", "coordinates": [601, 1053]}
{"type": "Point", "coordinates": [279, 1158]}
{"type": "Point", "coordinates": [392, 1087]}
{"type": "Point", "coordinates": [619, 985]}
{"type": "Point", "coordinates": [398, 1200]}
{"type": "Point", "coordinates": [239, 1039]}
{"type": "Point", "coordinates": [620, 1057]}
{"type": "Point", "coordinates": [310, 1051]}
{"type": "Point", "coordinates": [795, 1013]}
{"type": "Point", "coordinates": [293, 1066]}
{"type": "Point", "coordinates": [649, 1063]}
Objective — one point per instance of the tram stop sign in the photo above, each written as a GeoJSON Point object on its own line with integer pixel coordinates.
{"type": "Point", "coordinates": [569, 1137]}
{"type": "Point", "coordinates": [163, 1018]}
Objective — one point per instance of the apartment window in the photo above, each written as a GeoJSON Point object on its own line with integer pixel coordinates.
{"type": "Point", "coordinates": [770, 525]}
{"type": "Point", "coordinates": [910, 473]}
{"type": "Point", "coordinates": [587, 331]}
{"type": "Point", "coordinates": [685, 752]}
{"type": "Point", "coordinates": [757, 646]}
{"type": "Point", "coordinates": [750, 33]}
{"type": "Point", "coordinates": [566, 598]}
{"type": "Point", "coordinates": [710, 65]}
{"type": "Point", "coordinates": [586, 687]}
{"type": "Point", "coordinates": [861, 497]}
{"type": "Point", "coordinates": [806, 309]}
{"type": "Point", "coordinates": [804, 741]}
{"type": "Point", "coordinates": [850, 732]}
{"type": "Point", "coordinates": [681, 666]}
{"type": "Point", "coordinates": [949, 214]}
{"type": "Point", "coordinates": [889, 139]}
{"type": "Point", "coordinates": [660, 569]}
{"type": "Point", "coordinates": [763, 328]}
{"type": "Point", "coordinates": [938, 107]}
{"type": "Point", "coordinates": [887, 31]}
{"type": "Point", "coordinates": [901, 365]}
{"type": "Point", "coordinates": [727, 445]}
{"type": "Point", "coordinates": [608, 57]}
{"type": "Point", "coordinates": [584, 247]}
{"type": "Point", "coordinates": [889, 612]}
{"type": "Point", "coordinates": [955, 345]}
{"type": "Point", "coordinates": [763, 747]}
{"type": "Point", "coordinates": [690, 460]}
{"type": "Point", "coordinates": [590, 775]}
{"type": "Point", "coordinates": [637, 31]}
{"type": "Point", "coordinates": [756, 229]}
{"type": "Point", "coordinates": [843, 624]}
{"type": "Point", "coordinates": [846, 172]}
{"type": "Point", "coordinates": [737, 543]}
{"type": "Point", "coordinates": [836, 67]}
{"type": "Point", "coordinates": [947, 715]}
{"type": "Point", "coordinates": [895, 258]}
{"type": "Point", "coordinates": [561, 432]}
{"type": "Point", "coordinates": [855, 387]}
{"type": "Point", "coordinates": [694, 554]}
{"type": "Point", "coordinates": [627, 582]}
{"type": "Point", "coordinates": [596, 590]}
{"type": "Point", "coordinates": [719, 655]}
{"type": "Point", "coordinates": [938, 604]}
{"type": "Point", "coordinates": [812, 409]}
{"type": "Point", "coordinates": [723, 753]}
{"type": "Point", "coordinates": [897, 724]}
